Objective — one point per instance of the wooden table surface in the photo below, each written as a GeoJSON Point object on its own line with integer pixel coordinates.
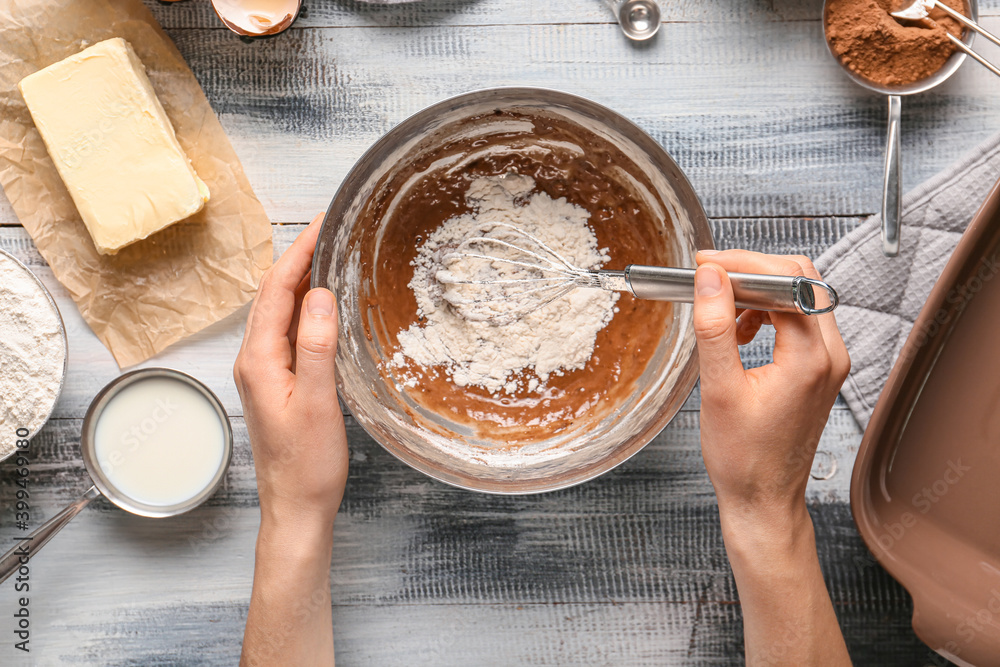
{"type": "Point", "coordinates": [628, 569]}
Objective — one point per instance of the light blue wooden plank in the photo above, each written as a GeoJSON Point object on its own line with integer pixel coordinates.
{"type": "Point", "coordinates": [356, 13]}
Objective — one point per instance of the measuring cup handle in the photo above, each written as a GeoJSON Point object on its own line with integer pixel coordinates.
{"type": "Point", "coordinates": [30, 545]}
{"type": "Point", "coordinates": [891, 202]}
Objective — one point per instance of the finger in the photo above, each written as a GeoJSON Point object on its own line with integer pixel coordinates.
{"type": "Point", "coordinates": [275, 308]}
{"type": "Point", "coordinates": [242, 353]}
{"type": "Point", "coordinates": [827, 322]}
{"type": "Point", "coordinates": [703, 256]}
{"type": "Point", "coordinates": [300, 293]}
{"type": "Point", "coordinates": [795, 335]}
{"type": "Point", "coordinates": [747, 326]}
{"type": "Point", "coordinates": [246, 330]}
{"type": "Point", "coordinates": [722, 373]}
{"type": "Point", "coordinates": [316, 347]}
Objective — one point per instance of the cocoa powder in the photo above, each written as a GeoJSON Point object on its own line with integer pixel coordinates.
{"type": "Point", "coordinates": [884, 50]}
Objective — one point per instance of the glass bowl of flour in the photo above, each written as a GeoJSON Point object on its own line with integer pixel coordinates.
{"type": "Point", "coordinates": [563, 394]}
{"type": "Point", "coordinates": [33, 354]}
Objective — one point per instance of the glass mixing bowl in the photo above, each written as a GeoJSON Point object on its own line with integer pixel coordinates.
{"type": "Point", "coordinates": [449, 451]}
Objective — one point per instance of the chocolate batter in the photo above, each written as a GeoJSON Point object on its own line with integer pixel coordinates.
{"type": "Point", "coordinates": [566, 160]}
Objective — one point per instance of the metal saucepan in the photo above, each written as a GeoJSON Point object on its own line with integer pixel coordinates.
{"type": "Point", "coordinates": [891, 185]}
{"type": "Point", "coordinates": [30, 545]}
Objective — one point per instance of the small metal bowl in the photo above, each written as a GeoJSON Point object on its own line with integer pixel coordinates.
{"type": "Point", "coordinates": [65, 341]}
{"type": "Point", "coordinates": [431, 443]}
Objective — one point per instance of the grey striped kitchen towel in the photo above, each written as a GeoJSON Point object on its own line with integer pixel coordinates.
{"type": "Point", "coordinates": [881, 296]}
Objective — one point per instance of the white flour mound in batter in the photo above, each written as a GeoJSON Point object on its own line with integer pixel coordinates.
{"type": "Point", "coordinates": [556, 338]}
{"type": "Point", "coordinates": [32, 353]}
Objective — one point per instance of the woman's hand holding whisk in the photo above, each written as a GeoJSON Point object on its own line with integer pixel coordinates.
{"type": "Point", "coordinates": [759, 432]}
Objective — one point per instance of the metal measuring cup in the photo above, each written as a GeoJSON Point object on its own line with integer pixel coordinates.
{"type": "Point", "coordinates": [639, 19]}
{"type": "Point", "coordinates": [30, 545]}
{"type": "Point", "coordinates": [891, 184]}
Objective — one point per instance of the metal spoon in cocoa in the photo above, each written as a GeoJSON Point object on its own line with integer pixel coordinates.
{"type": "Point", "coordinates": [891, 185]}
{"type": "Point", "coordinates": [921, 9]}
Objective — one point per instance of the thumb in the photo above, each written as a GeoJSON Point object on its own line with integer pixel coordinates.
{"type": "Point", "coordinates": [715, 330]}
{"type": "Point", "coordinates": [316, 343]}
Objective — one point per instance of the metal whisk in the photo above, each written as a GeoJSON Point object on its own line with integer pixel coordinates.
{"type": "Point", "coordinates": [505, 273]}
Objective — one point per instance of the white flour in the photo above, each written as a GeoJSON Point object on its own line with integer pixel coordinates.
{"type": "Point", "coordinates": [32, 353]}
{"type": "Point", "coordinates": [556, 338]}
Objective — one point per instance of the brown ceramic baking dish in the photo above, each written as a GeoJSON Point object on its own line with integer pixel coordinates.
{"type": "Point", "coordinates": [926, 486]}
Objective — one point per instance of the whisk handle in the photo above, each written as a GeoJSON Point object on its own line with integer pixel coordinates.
{"type": "Point", "coordinates": [790, 294]}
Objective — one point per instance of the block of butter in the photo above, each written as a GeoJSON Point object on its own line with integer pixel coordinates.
{"type": "Point", "coordinates": [113, 145]}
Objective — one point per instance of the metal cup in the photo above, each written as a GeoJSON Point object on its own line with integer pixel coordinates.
{"type": "Point", "coordinates": [30, 545]}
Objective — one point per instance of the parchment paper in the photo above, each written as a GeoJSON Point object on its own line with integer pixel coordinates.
{"type": "Point", "coordinates": [176, 282]}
